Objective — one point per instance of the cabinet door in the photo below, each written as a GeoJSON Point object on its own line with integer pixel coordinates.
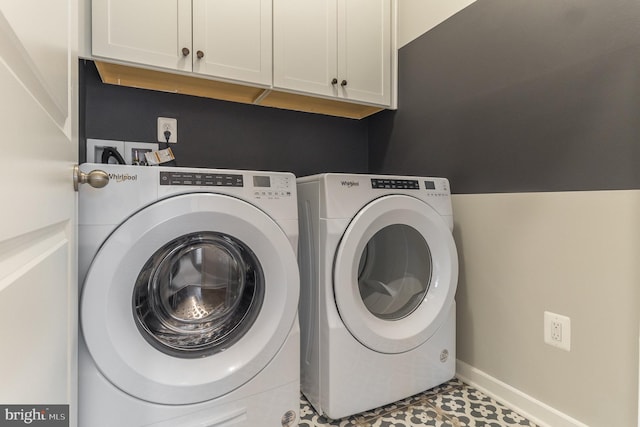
{"type": "Point", "coordinates": [150, 32]}
{"type": "Point", "coordinates": [304, 45]}
{"type": "Point", "coordinates": [364, 50]}
{"type": "Point", "coordinates": [232, 39]}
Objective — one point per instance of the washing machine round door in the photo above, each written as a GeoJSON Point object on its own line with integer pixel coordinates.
{"type": "Point", "coordinates": [395, 274]}
{"type": "Point", "coordinates": [189, 298]}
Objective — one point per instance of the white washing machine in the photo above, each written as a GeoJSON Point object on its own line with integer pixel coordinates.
{"type": "Point", "coordinates": [189, 298]}
{"type": "Point", "coordinates": [379, 270]}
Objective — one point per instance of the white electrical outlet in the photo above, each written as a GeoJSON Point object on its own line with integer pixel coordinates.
{"type": "Point", "coordinates": [166, 124]}
{"type": "Point", "coordinates": [557, 330]}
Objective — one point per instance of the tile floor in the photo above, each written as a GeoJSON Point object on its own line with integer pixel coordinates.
{"type": "Point", "coordinates": [453, 404]}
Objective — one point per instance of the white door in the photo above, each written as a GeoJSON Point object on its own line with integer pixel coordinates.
{"type": "Point", "coordinates": [232, 39]}
{"type": "Point", "coordinates": [38, 285]}
{"type": "Point", "coordinates": [395, 274]}
{"type": "Point", "coordinates": [149, 32]}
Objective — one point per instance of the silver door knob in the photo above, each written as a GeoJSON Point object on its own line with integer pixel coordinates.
{"type": "Point", "coordinates": [95, 178]}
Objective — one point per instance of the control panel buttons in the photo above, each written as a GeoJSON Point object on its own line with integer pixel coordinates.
{"type": "Point", "coordinates": [397, 184]}
{"type": "Point", "coordinates": [265, 187]}
{"type": "Point", "coordinates": [202, 180]}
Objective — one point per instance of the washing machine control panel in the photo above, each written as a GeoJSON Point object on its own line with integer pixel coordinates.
{"type": "Point", "coordinates": [256, 185]}
{"type": "Point", "coordinates": [201, 179]}
{"type": "Point", "coordinates": [437, 187]}
{"type": "Point", "coordinates": [272, 186]}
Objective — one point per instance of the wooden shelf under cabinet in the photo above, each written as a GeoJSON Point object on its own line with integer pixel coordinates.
{"type": "Point", "coordinates": [123, 75]}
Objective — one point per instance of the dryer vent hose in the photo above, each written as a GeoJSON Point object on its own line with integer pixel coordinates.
{"type": "Point", "coordinates": [108, 153]}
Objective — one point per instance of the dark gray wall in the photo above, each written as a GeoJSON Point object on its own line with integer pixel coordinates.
{"type": "Point", "coordinates": [505, 96]}
{"type": "Point", "coordinates": [219, 134]}
{"type": "Point", "coordinates": [519, 95]}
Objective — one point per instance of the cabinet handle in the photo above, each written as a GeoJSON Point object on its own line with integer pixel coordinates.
{"type": "Point", "coordinates": [200, 54]}
{"type": "Point", "coordinates": [343, 83]}
{"type": "Point", "coordinates": [334, 81]}
{"type": "Point", "coordinates": [185, 51]}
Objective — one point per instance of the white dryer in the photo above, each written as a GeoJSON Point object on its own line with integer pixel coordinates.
{"type": "Point", "coordinates": [379, 270]}
{"type": "Point", "coordinates": [189, 298]}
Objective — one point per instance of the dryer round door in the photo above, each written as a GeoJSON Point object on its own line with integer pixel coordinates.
{"type": "Point", "coordinates": [189, 298]}
{"type": "Point", "coordinates": [395, 274]}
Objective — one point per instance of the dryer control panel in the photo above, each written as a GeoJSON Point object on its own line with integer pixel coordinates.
{"type": "Point", "coordinates": [343, 194]}
{"type": "Point", "coordinates": [435, 186]}
{"type": "Point", "coordinates": [405, 184]}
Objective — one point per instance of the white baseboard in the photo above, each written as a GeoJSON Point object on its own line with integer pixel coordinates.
{"type": "Point", "coordinates": [536, 411]}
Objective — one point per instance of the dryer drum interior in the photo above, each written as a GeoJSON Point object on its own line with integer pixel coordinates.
{"type": "Point", "coordinates": [394, 272]}
{"type": "Point", "coordinates": [198, 294]}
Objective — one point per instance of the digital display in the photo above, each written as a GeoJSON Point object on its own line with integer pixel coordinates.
{"type": "Point", "coordinates": [430, 185]}
{"type": "Point", "coordinates": [261, 181]}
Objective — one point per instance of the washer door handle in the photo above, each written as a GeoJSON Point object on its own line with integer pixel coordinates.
{"type": "Point", "coordinates": [96, 178]}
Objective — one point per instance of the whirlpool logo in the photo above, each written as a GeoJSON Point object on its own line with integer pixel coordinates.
{"type": "Point", "coordinates": [122, 177]}
{"type": "Point", "coordinates": [36, 415]}
{"type": "Point", "coordinates": [350, 184]}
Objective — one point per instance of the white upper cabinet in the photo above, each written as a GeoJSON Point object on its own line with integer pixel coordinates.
{"type": "Point", "coordinates": [150, 32]}
{"type": "Point", "coordinates": [335, 48]}
{"type": "Point", "coordinates": [364, 50]}
{"type": "Point", "coordinates": [230, 39]}
{"type": "Point", "coordinates": [304, 48]}
{"type": "Point", "coordinates": [324, 50]}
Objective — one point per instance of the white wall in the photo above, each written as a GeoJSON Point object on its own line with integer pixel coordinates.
{"type": "Point", "coordinates": [572, 253]}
